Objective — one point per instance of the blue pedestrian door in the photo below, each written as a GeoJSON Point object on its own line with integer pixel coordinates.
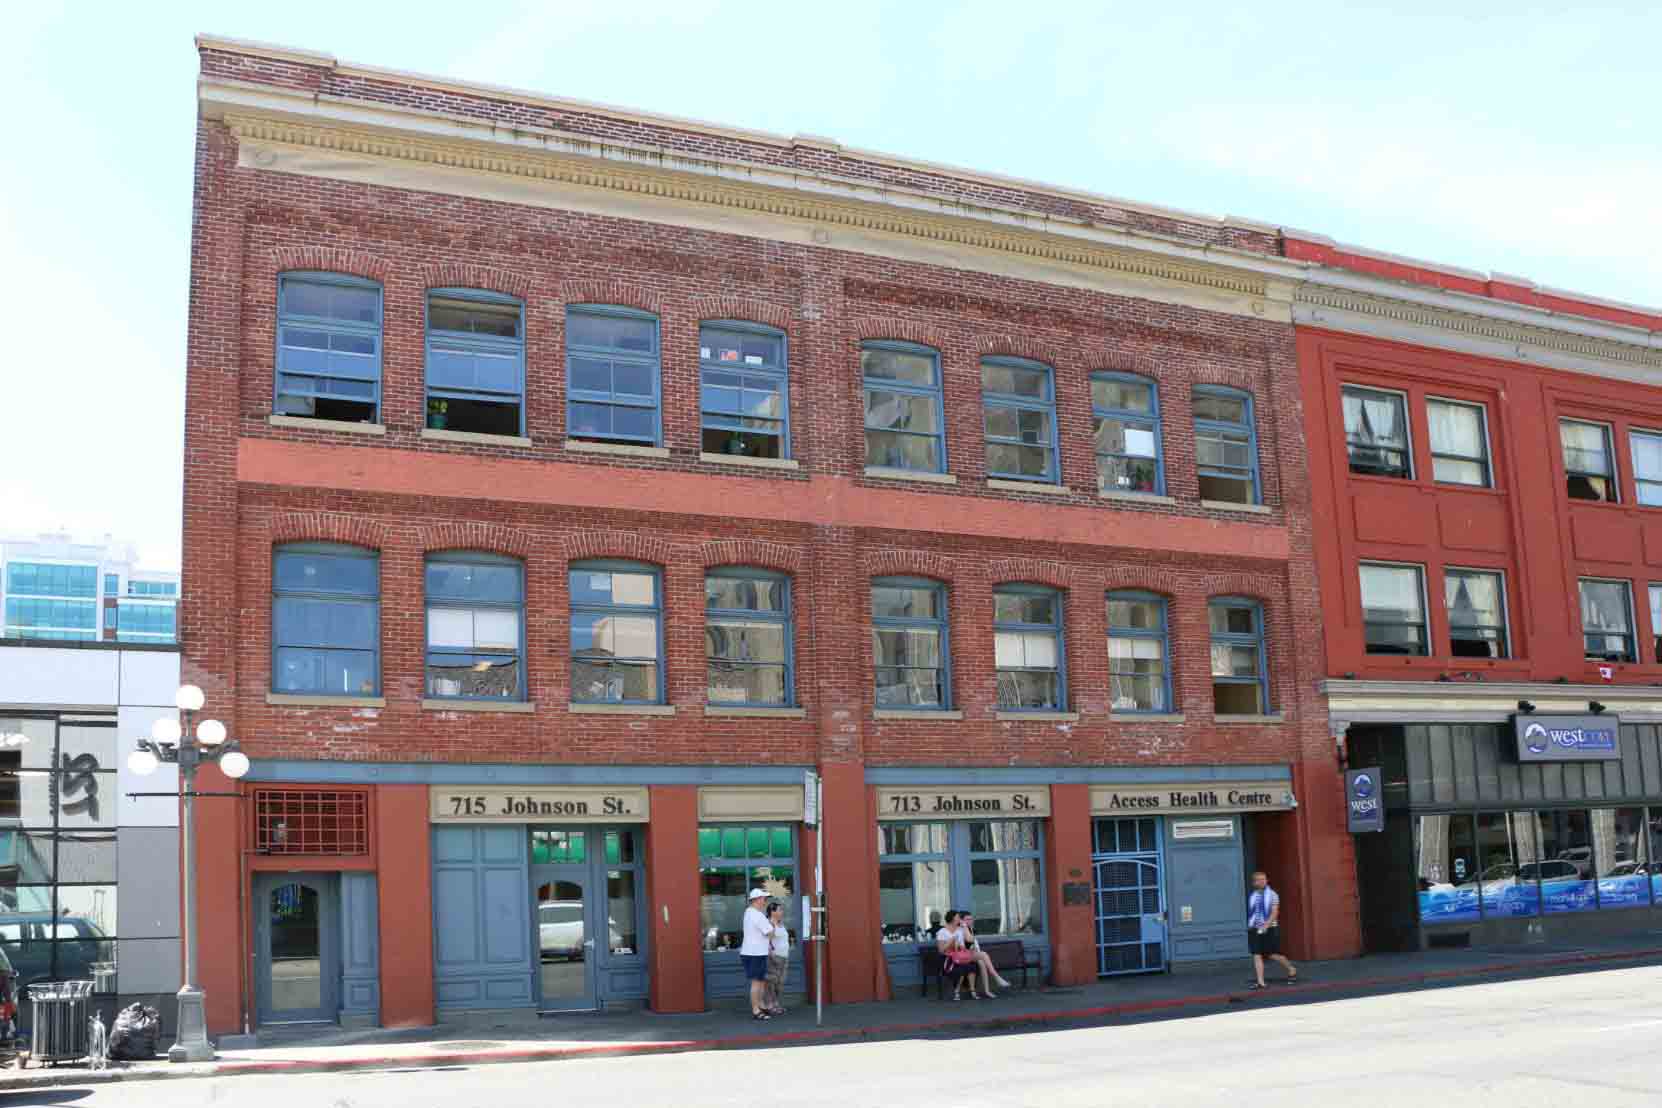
{"type": "Point", "coordinates": [1130, 898]}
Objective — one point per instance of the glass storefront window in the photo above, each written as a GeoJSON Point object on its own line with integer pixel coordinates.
{"type": "Point", "coordinates": [1446, 849]}
{"type": "Point", "coordinates": [1005, 888]}
{"type": "Point", "coordinates": [1621, 858]}
{"type": "Point", "coordinates": [733, 859]}
{"type": "Point", "coordinates": [620, 903]}
{"type": "Point", "coordinates": [1507, 854]}
{"type": "Point", "coordinates": [1565, 867]}
{"type": "Point", "coordinates": [990, 868]}
{"type": "Point", "coordinates": [915, 896]}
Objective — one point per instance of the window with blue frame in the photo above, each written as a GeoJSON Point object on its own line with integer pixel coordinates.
{"type": "Point", "coordinates": [475, 626]}
{"type": "Point", "coordinates": [1239, 684]}
{"type": "Point", "coordinates": [911, 644]}
{"type": "Point", "coordinates": [742, 390]}
{"type": "Point", "coordinates": [141, 621]}
{"type": "Point", "coordinates": [1027, 649]}
{"type": "Point", "coordinates": [732, 860]}
{"type": "Point", "coordinates": [51, 579]}
{"type": "Point", "coordinates": [475, 362]}
{"type": "Point", "coordinates": [616, 634]}
{"type": "Point", "coordinates": [326, 620]}
{"type": "Point", "coordinates": [112, 584]}
{"type": "Point", "coordinates": [904, 425]}
{"type": "Point", "coordinates": [1018, 399]}
{"type": "Point", "coordinates": [152, 588]}
{"type": "Point", "coordinates": [1125, 425]}
{"type": "Point", "coordinates": [612, 375]}
{"type": "Point", "coordinates": [329, 347]}
{"type": "Point", "coordinates": [1226, 445]}
{"type": "Point", "coordinates": [995, 869]}
{"type": "Point", "coordinates": [1138, 649]}
{"type": "Point", "coordinates": [747, 638]}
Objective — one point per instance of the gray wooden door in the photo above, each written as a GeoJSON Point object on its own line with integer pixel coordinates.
{"type": "Point", "coordinates": [483, 955]}
{"type": "Point", "coordinates": [297, 947]}
{"type": "Point", "coordinates": [1205, 894]}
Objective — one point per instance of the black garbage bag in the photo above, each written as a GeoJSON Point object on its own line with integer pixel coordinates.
{"type": "Point", "coordinates": [136, 1034]}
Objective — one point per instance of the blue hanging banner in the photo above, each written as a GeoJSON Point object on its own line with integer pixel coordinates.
{"type": "Point", "coordinates": [1364, 804]}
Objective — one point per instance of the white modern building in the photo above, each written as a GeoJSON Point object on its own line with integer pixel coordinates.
{"type": "Point", "coordinates": [57, 589]}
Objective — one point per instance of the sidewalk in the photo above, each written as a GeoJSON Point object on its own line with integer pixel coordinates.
{"type": "Point", "coordinates": [517, 1038]}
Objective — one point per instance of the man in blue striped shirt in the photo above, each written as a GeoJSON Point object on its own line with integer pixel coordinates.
{"type": "Point", "coordinates": [1264, 930]}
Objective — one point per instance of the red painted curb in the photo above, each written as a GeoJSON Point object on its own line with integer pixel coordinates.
{"type": "Point", "coordinates": [673, 1046]}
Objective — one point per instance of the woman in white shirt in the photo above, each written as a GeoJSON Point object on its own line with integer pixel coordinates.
{"type": "Point", "coordinates": [779, 958]}
{"type": "Point", "coordinates": [753, 952]}
{"type": "Point", "coordinates": [955, 967]}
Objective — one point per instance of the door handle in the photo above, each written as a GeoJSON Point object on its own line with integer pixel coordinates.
{"type": "Point", "coordinates": [589, 943]}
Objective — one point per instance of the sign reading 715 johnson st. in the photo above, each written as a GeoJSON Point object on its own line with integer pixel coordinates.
{"type": "Point", "coordinates": [1591, 738]}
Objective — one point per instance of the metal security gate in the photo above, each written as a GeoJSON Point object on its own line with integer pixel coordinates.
{"type": "Point", "coordinates": [1130, 898]}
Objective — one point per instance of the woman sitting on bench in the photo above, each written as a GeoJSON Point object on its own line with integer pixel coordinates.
{"type": "Point", "coordinates": [983, 960]}
{"type": "Point", "coordinates": [958, 962]}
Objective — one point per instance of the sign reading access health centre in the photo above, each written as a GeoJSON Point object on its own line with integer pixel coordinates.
{"type": "Point", "coordinates": [1568, 738]}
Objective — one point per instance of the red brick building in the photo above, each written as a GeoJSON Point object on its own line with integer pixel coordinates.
{"type": "Point", "coordinates": [1488, 454]}
{"type": "Point", "coordinates": [563, 483]}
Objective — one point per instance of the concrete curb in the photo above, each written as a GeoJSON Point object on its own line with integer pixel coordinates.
{"type": "Point", "coordinates": [989, 1022]}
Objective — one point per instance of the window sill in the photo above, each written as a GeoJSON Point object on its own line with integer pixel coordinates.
{"type": "Point", "coordinates": [1044, 488]}
{"type": "Point", "coordinates": [890, 473]}
{"type": "Point", "coordinates": [1136, 497]}
{"type": "Point", "coordinates": [755, 712]}
{"type": "Point", "coordinates": [1147, 717]}
{"type": "Point", "coordinates": [621, 709]}
{"type": "Point", "coordinates": [745, 460]}
{"type": "Point", "coordinates": [307, 423]}
{"type": "Point", "coordinates": [583, 446]}
{"type": "Point", "coordinates": [479, 437]}
{"type": "Point", "coordinates": [943, 716]}
{"type": "Point", "coordinates": [1231, 506]}
{"type": "Point", "coordinates": [292, 700]}
{"type": "Point", "coordinates": [1273, 717]}
{"type": "Point", "coordinates": [445, 705]}
{"type": "Point", "coordinates": [1039, 717]}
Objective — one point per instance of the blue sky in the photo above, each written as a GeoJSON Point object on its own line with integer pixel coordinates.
{"type": "Point", "coordinates": [1501, 137]}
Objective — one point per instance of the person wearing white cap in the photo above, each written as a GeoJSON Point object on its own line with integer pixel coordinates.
{"type": "Point", "coordinates": [754, 950]}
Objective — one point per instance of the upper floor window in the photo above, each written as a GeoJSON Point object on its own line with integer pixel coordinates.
{"type": "Point", "coordinates": [1027, 649]}
{"type": "Point", "coordinates": [612, 375]}
{"type": "Point", "coordinates": [1239, 685]}
{"type": "Point", "coordinates": [1589, 469]}
{"type": "Point", "coordinates": [1656, 620]}
{"type": "Point", "coordinates": [326, 620]}
{"type": "Point", "coordinates": [1226, 445]}
{"type": "Point", "coordinates": [1018, 399]}
{"type": "Point", "coordinates": [1476, 601]}
{"type": "Point", "coordinates": [747, 637]}
{"type": "Point", "coordinates": [1125, 425]}
{"type": "Point", "coordinates": [1376, 432]}
{"type": "Point", "coordinates": [1607, 620]}
{"type": "Point", "coordinates": [1459, 442]}
{"type": "Point", "coordinates": [617, 634]}
{"type": "Point", "coordinates": [475, 362]}
{"type": "Point", "coordinates": [152, 588]}
{"type": "Point", "coordinates": [1393, 609]}
{"type": "Point", "coordinates": [746, 409]}
{"type": "Point", "coordinates": [904, 424]}
{"type": "Point", "coordinates": [1137, 650]}
{"type": "Point", "coordinates": [475, 627]}
{"type": "Point", "coordinates": [329, 347]}
{"type": "Point", "coordinates": [1647, 466]}
{"type": "Point", "coordinates": [146, 621]}
{"type": "Point", "coordinates": [112, 584]}
{"type": "Point", "coordinates": [910, 644]}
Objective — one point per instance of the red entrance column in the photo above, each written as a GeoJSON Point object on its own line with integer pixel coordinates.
{"type": "Point", "coordinates": [1068, 861]}
{"type": "Point", "coordinates": [854, 969]}
{"type": "Point", "coordinates": [676, 962]}
{"type": "Point", "coordinates": [404, 883]}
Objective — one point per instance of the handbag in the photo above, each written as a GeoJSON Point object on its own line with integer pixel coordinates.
{"type": "Point", "coordinates": [960, 957]}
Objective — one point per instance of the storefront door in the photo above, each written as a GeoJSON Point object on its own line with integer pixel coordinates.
{"type": "Point", "coordinates": [1130, 906]}
{"type": "Point", "coordinates": [587, 886]}
{"type": "Point", "coordinates": [297, 933]}
{"type": "Point", "coordinates": [566, 930]}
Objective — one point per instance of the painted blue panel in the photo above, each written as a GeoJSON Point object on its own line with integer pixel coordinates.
{"type": "Point", "coordinates": [360, 946]}
{"type": "Point", "coordinates": [452, 844]}
{"type": "Point", "coordinates": [1206, 876]}
{"type": "Point", "coordinates": [499, 845]}
{"type": "Point", "coordinates": [482, 918]}
{"type": "Point", "coordinates": [506, 907]}
{"type": "Point", "coordinates": [456, 942]}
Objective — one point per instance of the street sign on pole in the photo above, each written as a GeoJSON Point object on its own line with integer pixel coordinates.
{"type": "Point", "coordinates": [810, 798]}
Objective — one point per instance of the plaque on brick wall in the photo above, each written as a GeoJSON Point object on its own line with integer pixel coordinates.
{"type": "Point", "coordinates": [1076, 892]}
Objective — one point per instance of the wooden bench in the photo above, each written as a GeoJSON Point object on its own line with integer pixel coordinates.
{"type": "Point", "coordinates": [1008, 955]}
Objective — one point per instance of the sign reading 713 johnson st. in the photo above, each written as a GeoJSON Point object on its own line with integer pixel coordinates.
{"type": "Point", "coordinates": [1568, 738]}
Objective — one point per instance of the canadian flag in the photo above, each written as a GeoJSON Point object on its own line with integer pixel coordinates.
{"type": "Point", "coordinates": [1607, 672]}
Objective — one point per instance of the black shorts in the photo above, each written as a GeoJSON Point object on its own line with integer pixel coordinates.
{"type": "Point", "coordinates": [1266, 942]}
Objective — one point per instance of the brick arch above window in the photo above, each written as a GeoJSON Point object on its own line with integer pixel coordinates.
{"type": "Point", "coordinates": [909, 563]}
{"type": "Point", "coordinates": [750, 552]}
{"type": "Point", "coordinates": [621, 545]}
{"type": "Point", "coordinates": [1031, 571]}
{"type": "Point", "coordinates": [1229, 586]}
{"type": "Point", "coordinates": [1219, 376]}
{"type": "Point", "coordinates": [331, 259]}
{"type": "Point", "coordinates": [876, 328]}
{"type": "Point", "coordinates": [1137, 579]}
{"type": "Point", "coordinates": [493, 538]}
{"type": "Point", "coordinates": [623, 294]}
{"type": "Point", "coordinates": [465, 275]}
{"type": "Point", "coordinates": [327, 527]}
{"type": "Point", "coordinates": [1014, 346]}
{"type": "Point", "coordinates": [742, 309]}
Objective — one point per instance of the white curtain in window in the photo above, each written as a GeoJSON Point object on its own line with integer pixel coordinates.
{"type": "Point", "coordinates": [1455, 429]}
{"type": "Point", "coordinates": [1647, 458]}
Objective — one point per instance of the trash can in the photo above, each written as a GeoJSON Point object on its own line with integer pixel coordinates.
{"type": "Point", "coordinates": [61, 1014]}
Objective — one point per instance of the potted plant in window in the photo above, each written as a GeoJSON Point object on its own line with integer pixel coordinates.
{"type": "Point", "coordinates": [438, 414]}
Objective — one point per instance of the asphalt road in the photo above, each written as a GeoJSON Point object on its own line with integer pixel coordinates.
{"type": "Point", "coordinates": [1565, 1040]}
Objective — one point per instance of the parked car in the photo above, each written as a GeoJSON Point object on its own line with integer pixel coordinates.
{"type": "Point", "coordinates": [560, 930]}
{"type": "Point", "coordinates": [85, 953]}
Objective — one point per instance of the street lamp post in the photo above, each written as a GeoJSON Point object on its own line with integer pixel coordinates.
{"type": "Point", "coordinates": [173, 741]}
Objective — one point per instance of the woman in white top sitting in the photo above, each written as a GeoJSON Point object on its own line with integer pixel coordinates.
{"type": "Point", "coordinates": [983, 960]}
{"type": "Point", "coordinates": [956, 965]}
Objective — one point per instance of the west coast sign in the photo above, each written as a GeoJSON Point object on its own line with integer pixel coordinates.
{"type": "Point", "coordinates": [1590, 738]}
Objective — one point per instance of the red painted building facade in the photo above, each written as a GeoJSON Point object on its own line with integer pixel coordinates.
{"type": "Point", "coordinates": [564, 484]}
{"type": "Point", "coordinates": [1494, 558]}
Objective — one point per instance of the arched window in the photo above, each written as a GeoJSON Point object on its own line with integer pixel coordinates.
{"type": "Point", "coordinates": [329, 347]}
{"type": "Point", "coordinates": [1239, 685]}
{"type": "Point", "coordinates": [911, 646]}
{"type": "Point", "coordinates": [743, 398]}
{"type": "Point", "coordinates": [1125, 426]}
{"type": "Point", "coordinates": [1028, 650]}
{"type": "Point", "coordinates": [612, 375]}
{"type": "Point", "coordinates": [1138, 653]}
{"type": "Point", "coordinates": [905, 428]}
{"type": "Point", "coordinates": [475, 626]}
{"type": "Point", "coordinates": [1226, 445]}
{"type": "Point", "coordinates": [617, 633]}
{"type": "Point", "coordinates": [1018, 399]}
{"type": "Point", "coordinates": [747, 637]}
{"type": "Point", "coordinates": [475, 362]}
{"type": "Point", "coordinates": [325, 620]}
